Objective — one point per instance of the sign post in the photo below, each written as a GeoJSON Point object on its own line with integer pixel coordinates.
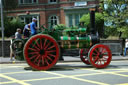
{"type": "Point", "coordinates": [2, 27]}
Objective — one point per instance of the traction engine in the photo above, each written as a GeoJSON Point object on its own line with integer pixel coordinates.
{"type": "Point", "coordinates": [42, 51]}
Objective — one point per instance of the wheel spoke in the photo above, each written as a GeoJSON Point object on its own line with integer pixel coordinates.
{"type": "Point", "coordinates": [42, 60]}
{"type": "Point", "coordinates": [47, 46]}
{"type": "Point", "coordinates": [99, 61]}
{"type": "Point", "coordinates": [39, 62]}
{"type": "Point", "coordinates": [49, 58]}
{"type": "Point", "coordinates": [37, 43]}
{"type": "Point", "coordinates": [44, 43]}
{"type": "Point", "coordinates": [41, 43]}
{"type": "Point", "coordinates": [47, 61]}
{"type": "Point", "coordinates": [97, 51]}
{"type": "Point", "coordinates": [33, 57]}
{"type": "Point", "coordinates": [104, 51]}
{"type": "Point", "coordinates": [95, 54]}
{"type": "Point", "coordinates": [103, 60]}
{"type": "Point", "coordinates": [96, 58]}
{"type": "Point", "coordinates": [37, 58]}
{"type": "Point", "coordinates": [52, 55]}
{"type": "Point", "coordinates": [50, 47]}
{"type": "Point", "coordinates": [35, 47]}
{"type": "Point", "coordinates": [105, 54]}
{"type": "Point", "coordinates": [51, 51]}
{"type": "Point", "coordinates": [34, 53]}
{"type": "Point", "coordinates": [32, 49]}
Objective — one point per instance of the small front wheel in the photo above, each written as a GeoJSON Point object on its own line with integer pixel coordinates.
{"type": "Point", "coordinates": [100, 56]}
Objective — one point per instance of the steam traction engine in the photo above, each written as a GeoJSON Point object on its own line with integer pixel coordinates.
{"type": "Point", "coordinates": [43, 50]}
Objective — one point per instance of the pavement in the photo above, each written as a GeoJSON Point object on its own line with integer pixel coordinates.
{"type": "Point", "coordinates": [4, 60]}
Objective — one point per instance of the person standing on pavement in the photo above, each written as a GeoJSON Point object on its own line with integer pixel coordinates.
{"type": "Point", "coordinates": [126, 47]}
{"type": "Point", "coordinates": [17, 36]}
{"type": "Point", "coordinates": [33, 26]}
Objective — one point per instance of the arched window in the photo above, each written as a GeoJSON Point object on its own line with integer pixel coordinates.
{"type": "Point", "coordinates": [53, 21]}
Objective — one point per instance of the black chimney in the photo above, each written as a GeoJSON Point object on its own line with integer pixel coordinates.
{"type": "Point", "coordinates": [92, 21]}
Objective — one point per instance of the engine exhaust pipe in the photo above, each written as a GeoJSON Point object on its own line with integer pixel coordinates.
{"type": "Point", "coordinates": [93, 28]}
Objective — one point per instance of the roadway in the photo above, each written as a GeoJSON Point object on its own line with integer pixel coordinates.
{"type": "Point", "coordinates": [65, 73]}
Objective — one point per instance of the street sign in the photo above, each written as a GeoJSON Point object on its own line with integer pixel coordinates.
{"type": "Point", "coordinates": [81, 3]}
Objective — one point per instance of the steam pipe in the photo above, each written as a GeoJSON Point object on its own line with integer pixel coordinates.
{"type": "Point", "coordinates": [94, 34]}
{"type": "Point", "coordinates": [92, 21]}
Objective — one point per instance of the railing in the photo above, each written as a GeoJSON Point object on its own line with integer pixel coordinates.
{"type": "Point", "coordinates": [116, 48]}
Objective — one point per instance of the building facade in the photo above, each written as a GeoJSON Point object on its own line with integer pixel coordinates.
{"type": "Point", "coordinates": [52, 12]}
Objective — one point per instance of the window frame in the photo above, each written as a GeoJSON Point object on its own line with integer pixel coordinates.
{"type": "Point", "coordinates": [23, 2]}
{"type": "Point", "coordinates": [57, 21]}
{"type": "Point", "coordinates": [74, 22]}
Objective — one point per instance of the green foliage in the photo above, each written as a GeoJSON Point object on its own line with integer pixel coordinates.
{"type": "Point", "coordinates": [115, 14]}
{"type": "Point", "coordinates": [99, 21]}
{"type": "Point", "coordinates": [60, 27]}
{"type": "Point", "coordinates": [10, 26]}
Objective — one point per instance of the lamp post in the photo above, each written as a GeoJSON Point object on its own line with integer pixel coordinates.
{"type": "Point", "coordinates": [2, 28]}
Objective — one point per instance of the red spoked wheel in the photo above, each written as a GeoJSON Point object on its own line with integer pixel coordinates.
{"type": "Point", "coordinates": [84, 56]}
{"type": "Point", "coordinates": [100, 56]}
{"type": "Point", "coordinates": [41, 52]}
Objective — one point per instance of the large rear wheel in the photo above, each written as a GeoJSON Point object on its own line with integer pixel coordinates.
{"type": "Point", "coordinates": [41, 52]}
{"type": "Point", "coordinates": [100, 56]}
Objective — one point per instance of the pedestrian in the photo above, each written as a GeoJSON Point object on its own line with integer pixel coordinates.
{"type": "Point", "coordinates": [33, 26]}
{"type": "Point", "coordinates": [26, 31]}
{"type": "Point", "coordinates": [126, 47]}
{"type": "Point", "coordinates": [11, 52]}
{"type": "Point", "coordinates": [18, 34]}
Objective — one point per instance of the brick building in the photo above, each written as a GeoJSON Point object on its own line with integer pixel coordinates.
{"type": "Point", "coordinates": [66, 12]}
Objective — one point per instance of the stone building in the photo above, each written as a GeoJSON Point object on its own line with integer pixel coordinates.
{"type": "Point", "coordinates": [66, 12]}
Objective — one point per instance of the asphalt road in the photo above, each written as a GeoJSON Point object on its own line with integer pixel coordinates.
{"type": "Point", "coordinates": [65, 73]}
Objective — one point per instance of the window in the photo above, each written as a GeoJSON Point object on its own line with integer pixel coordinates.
{"type": "Point", "coordinates": [27, 1]}
{"type": "Point", "coordinates": [76, 20]}
{"type": "Point", "coordinates": [73, 19]}
{"type": "Point", "coordinates": [70, 20]}
{"type": "Point", "coordinates": [52, 1]}
{"type": "Point", "coordinates": [53, 21]}
{"type": "Point", "coordinates": [28, 19]}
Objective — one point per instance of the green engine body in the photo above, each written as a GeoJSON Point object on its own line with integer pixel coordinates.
{"type": "Point", "coordinates": [71, 38]}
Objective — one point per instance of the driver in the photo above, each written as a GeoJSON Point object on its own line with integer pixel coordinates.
{"type": "Point", "coordinates": [33, 26]}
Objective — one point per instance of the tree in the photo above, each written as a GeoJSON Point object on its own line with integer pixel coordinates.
{"type": "Point", "coordinates": [116, 16]}
{"type": "Point", "coordinates": [11, 26]}
{"type": "Point", "coordinates": [99, 21]}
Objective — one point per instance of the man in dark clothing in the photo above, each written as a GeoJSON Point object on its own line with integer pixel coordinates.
{"type": "Point", "coordinates": [26, 30]}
